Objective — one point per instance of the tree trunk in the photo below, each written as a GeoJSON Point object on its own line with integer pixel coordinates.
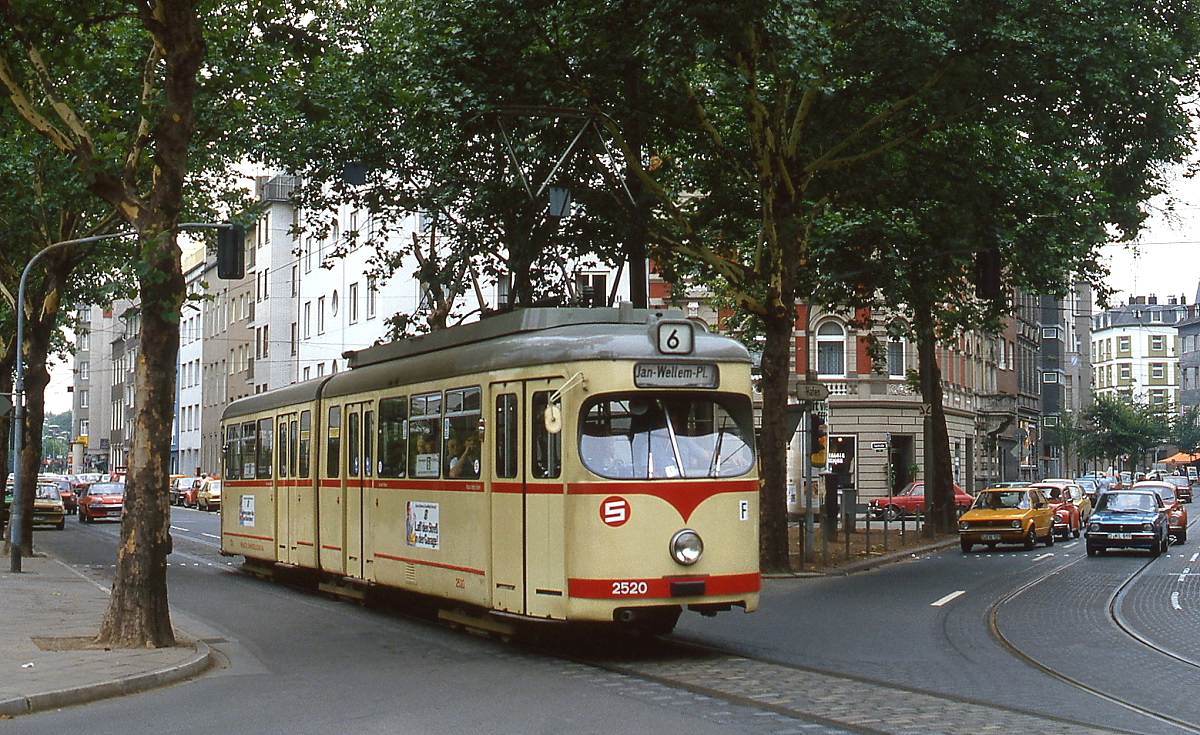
{"type": "Point", "coordinates": [37, 377]}
{"type": "Point", "coordinates": [138, 614]}
{"type": "Point", "coordinates": [773, 529]}
{"type": "Point", "coordinates": [939, 494]}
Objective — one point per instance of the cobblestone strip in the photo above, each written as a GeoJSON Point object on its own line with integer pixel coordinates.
{"type": "Point", "coordinates": [859, 705]}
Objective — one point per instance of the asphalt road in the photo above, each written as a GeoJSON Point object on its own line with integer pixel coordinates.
{"type": "Point", "coordinates": [1050, 632]}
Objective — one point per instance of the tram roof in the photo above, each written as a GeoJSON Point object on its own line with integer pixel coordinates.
{"type": "Point", "coordinates": [520, 321]}
{"type": "Point", "coordinates": [520, 338]}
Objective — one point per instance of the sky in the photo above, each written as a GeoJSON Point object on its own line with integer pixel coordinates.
{"type": "Point", "coordinates": [1165, 260]}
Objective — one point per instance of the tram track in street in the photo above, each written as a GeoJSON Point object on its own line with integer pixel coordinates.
{"type": "Point", "coordinates": [1113, 611]}
{"type": "Point", "coordinates": [834, 700]}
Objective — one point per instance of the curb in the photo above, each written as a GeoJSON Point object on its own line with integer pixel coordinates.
{"type": "Point", "coordinates": [863, 565]}
{"type": "Point", "coordinates": [106, 689]}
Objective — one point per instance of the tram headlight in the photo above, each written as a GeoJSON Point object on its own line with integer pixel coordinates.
{"type": "Point", "coordinates": [687, 547]}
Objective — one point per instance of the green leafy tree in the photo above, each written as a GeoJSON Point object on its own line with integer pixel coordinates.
{"type": "Point", "coordinates": [125, 93]}
{"type": "Point", "coordinates": [833, 152]}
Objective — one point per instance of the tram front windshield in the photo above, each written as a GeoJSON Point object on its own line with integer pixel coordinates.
{"type": "Point", "coordinates": [649, 436]}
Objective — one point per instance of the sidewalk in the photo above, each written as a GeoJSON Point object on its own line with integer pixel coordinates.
{"type": "Point", "coordinates": [49, 614]}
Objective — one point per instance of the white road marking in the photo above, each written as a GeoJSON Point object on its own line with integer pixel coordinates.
{"type": "Point", "coordinates": [178, 528]}
{"type": "Point", "coordinates": [209, 535]}
{"type": "Point", "coordinates": [1175, 601]}
{"type": "Point", "coordinates": [1043, 556]}
{"type": "Point", "coordinates": [1184, 573]}
{"type": "Point", "coordinates": [948, 598]}
{"type": "Point", "coordinates": [1194, 557]}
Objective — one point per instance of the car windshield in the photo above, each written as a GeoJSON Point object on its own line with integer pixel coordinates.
{"type": "Point", "coordinates": [667, 435]}
{"type": "Point", "coordinates": [47, 492]}
{"type": "Point", "coordinates": [1126, 502]}
{"type": "Point", "coordinates": [1001, 500]}
{"type": "Point", "coordinates": [107, 488]}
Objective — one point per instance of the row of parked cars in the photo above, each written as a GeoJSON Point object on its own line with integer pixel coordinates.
{"type": "Point", "coordinates": [97, 497]}
{"type": "Point", "coordinates": [195, 492]}
{"type": "Point", "coordinates": [1146, 514]}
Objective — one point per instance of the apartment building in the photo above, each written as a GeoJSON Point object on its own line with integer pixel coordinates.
{"type": "Point", "coordinates": [1135, 351]}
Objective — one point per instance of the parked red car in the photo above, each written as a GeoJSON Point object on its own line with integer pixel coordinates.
{"type": "Point", "coordinates": [1067, 521]}
{"type": "Point", "coordinates": [911, 500]}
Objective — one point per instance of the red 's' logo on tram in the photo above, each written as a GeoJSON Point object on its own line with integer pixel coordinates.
{"type": "Point", "coordinates": [614, 510]}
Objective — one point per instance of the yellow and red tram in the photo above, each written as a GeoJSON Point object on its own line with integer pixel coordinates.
{"type": "Point", "coordinates": [579, 465]}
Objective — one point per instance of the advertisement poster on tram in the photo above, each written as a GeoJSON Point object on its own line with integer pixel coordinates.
{"type": "Point", "coordinates": [422, 525]}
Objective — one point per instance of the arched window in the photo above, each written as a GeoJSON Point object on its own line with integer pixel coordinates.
{"type": "Point", "coordinates": [831, 349]}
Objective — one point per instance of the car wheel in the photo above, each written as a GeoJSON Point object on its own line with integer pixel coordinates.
{"type": "Point", "coordinates": [61, 524]}
{"type": "Point", "coordinates": [83, 516]}
{"type": "Point", "coordinates": [892, 513]}
{"type": "Point", "coordinates": [1075, 531]}
{"type": "Point", "coordinates": [1031, 539]}
{"type": "Point", "coordinates": [1182, 537]}
{"type": "Point", "coordinates": [1156, 549]}
{"type": "Point", "coordinates": [966, 545]}
{"type": "Point", "coordinates": [1050, 536]}
{"type": "Point", "coordinates": [1093, 550]}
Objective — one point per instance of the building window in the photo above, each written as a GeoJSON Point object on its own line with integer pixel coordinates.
{"type": "Point", "coordinates": [1124, 371]}
{"type": "Point", "coordinates": [83, 399]}
{"type": "Point", "coordinates": [307, 319]}
{"type": "Point", "coordinates": [295, 339]}
{"type": "Point", "coordinates": [1157, 343]}
{"type": "Point", "coordinates": [352, 312]}
{"type": "Point", "coordinates": [1049, 421]}
{"type": "Point", "coordinates": [895, 358]}
{"type": "Point", "coordinates": [83, 427]}
{"type": "Point", "coordinates": [371, 297]}
{"type": "Point", "coordinates": [831, 350]}
{"type": "Point", "coordinates": [1049, 377]}
{"type": "Point", "coordinates": [1123, 345]}
{"type": "Point", "coordinates": [1049, 332]}
{"type": "Point", "coordinates": [320, 315]}
{"type": "Point", "coordinates": [1158, 370]}
{"type": "Point", "coordinates": [85, 370]}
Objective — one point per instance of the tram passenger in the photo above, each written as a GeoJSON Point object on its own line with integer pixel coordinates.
{"type": "Point", "coordinates": [464, 463]}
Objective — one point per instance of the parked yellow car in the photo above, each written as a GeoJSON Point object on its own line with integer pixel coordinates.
{"type": "Point", "coordinates": [48, 509]}
{"type": "Point", "coordinates": [1007, 515]}
{"type": "Point", "coordinates": [208, 496]}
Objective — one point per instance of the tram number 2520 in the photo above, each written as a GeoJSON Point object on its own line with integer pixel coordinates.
{"type": "Point", "coordinates": [629, 588]}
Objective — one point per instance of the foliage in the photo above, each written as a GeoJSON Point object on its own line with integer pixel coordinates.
{"type": "Point", "coordinates": [1113, 429]}
{"type": "Point", "coordinates": [836, 152]}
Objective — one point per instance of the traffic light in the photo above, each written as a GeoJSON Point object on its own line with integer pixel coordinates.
{"type": "Point", "coordinates": [231, 252]}
{"type": "Point", "coordinates": [818, 437]}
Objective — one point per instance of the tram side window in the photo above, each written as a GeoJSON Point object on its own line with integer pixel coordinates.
{"type": "Point", "coordinates": [293, 443]}
{"type": "Point", "coordinates": [547, 447]}
{"type": "Point", "coordinates": [463, 409]}
{"type": "Point", "coordinates": [249, 451]}
{"type": "Point", "coordinates": [507, 436]}
{"type": "Point", "coordinates": [283, 448]}
{"type": "Point", "coordinates": [304, 445]}
{"type": "Point", "coordinates": [424, 435]}
{"type": "Point", "coordinates": [333, 441]}
{"type": "Point", "coordinates": [353, 444]}
{"type": "Point", "coordinates": [393, 436]}
{"type": "Point", "coordinates": [233, 453]}
{"type": "Point", "coordinates": [368, 439]}
{"type": "Point", "coordinates": [266, 449]}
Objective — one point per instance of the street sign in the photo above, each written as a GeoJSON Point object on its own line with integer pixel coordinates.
{"type": "Point", "coordinates": [879, 446]}
{"type": "Point", "coordinates": [811, 392]}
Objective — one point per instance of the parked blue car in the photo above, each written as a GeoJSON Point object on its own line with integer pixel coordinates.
{"type": "Point", "coordinates": [1128, 519]}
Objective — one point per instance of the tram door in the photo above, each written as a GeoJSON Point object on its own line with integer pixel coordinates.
{"type": "Point", "coordinates": [360, 431]}
{"type": "Point", "coordinates": [528, 548]}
